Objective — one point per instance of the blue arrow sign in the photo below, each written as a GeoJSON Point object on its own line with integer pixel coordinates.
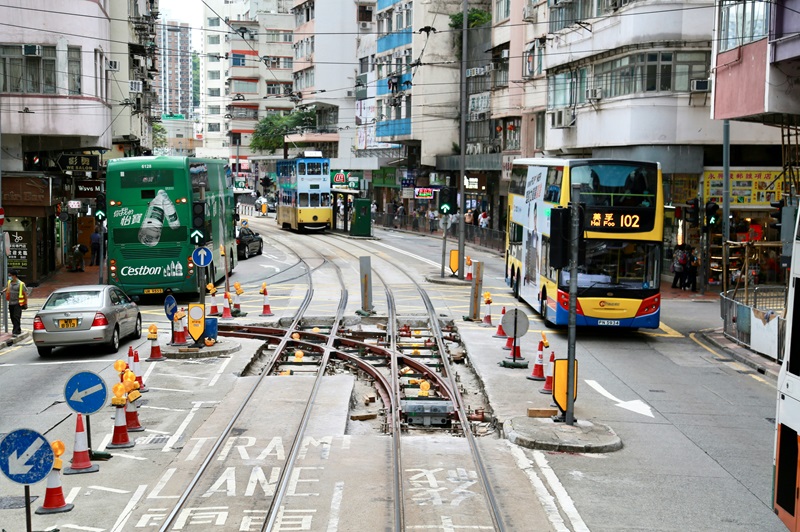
{"type": "Point", "coordinates": [26, 456]}
{"type": "Point", "coordinates": [202, 256]}
{"type": "Point", "coordinates": [170, 307]}
{"type": "Point", "coordinates": [86, 392]}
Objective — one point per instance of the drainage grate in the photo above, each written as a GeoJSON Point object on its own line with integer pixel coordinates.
{"type": "Point", "coordinates": [153, 439]}
{"type": "Point", "coordinates": [14, 503]}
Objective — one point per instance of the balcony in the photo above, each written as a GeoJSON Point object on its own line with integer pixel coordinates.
{"type": "Point", "coordinates": [394, 40]}
{"type": "Point", "coordinates": [393, 128]}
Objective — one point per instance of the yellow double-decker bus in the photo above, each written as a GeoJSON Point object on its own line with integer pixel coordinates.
{"type": "Point", "coordinates": [623, 223]}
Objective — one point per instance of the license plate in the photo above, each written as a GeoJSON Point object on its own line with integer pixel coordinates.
{"type": "Point", "coordinates": [608, 322]}
{"type": "Point", "coordinates": [153, 290]}
{"type": "Point", "coordinates": [68, 324]}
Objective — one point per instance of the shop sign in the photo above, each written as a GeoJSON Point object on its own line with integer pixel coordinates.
{"type": "Point", "coordinates": [69, 162]}
{"type": "Point", "coordinates": [19, 248]}
{"type": "Point", "coordinates": [345, 179]}
{"type": "Point", "coordinates": [423, 193]}
{"type": "Point", "coordinates": [88, 189]}
{"type": "Point", "coordinates": [508, 162]}
{"type": "Point", "coordinates": [746, 187]}
{"type": "Point", "coordinates": [408, 193]}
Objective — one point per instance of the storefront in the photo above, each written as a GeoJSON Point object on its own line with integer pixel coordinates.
{"type": "Point", "coordinates": [35, 234]}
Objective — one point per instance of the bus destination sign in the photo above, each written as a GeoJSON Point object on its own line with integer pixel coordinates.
{"type": "Point", "coordinates": [619, 219]}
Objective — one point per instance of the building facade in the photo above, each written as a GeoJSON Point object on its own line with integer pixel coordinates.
{"type": "Point", "coordinates": [174, 79]}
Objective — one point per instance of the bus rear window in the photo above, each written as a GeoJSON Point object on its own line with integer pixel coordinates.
{"type": "Point", "coordinates": [154, 178]}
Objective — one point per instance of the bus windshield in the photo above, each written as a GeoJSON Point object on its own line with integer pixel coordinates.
{"type": "Point", "coordinates": [616, 184]}
{"type": "Point", "coordinates": [618, 264]}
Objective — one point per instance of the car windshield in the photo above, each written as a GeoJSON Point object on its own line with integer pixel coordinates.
{"type": "Point", "coordinates": [89, 299]}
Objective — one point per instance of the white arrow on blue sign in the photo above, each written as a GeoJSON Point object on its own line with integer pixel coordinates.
{"type": "Point", "coordinates": [86, 392]}
{"type": "Point", "coordinates": [170, 307]}
{"type": "Point", "coordinates": [202, 256]}
{"type": "Point", "coordinates": [26, 456]}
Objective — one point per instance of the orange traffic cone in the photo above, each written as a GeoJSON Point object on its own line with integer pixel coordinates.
{"type": "Point", "coordinates": [130, 358]}
{"type": "Point", "coordinates": [548, 383]}
{"type": "Point", "coordinates": [468, 277]}
{"type": "Point", "coordinates": [155, 349]}
{"type": "Point", "coordinates": [226, 307]}
{"type": "Point", "coordinates": [54, 495]}
{"type": "Point", "coordinates": [266, 310]}
{"type": "Point", "coordinates": [487, 318]}
{"type": "Point", "coordinates": [500, 332]}
{"type": "Point", "coordinates": [509, 344]}
{"type": "Point", "coordinates": [213, 310]}
{"type": "Point", "coordinates": [81, 462]}
{"type": "Point", "coordinates": [538, 368]}
{"type": "Point", "coordinates": [119, 439]}
{"type": "Point", "coordinates": [132, 417]}
{"type": "Point", "coordinates": [142, 387]}
{"type": "Point", "coordinates": [178, 332]}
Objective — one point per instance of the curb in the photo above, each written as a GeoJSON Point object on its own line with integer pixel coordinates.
{"type": "Point", "coordinates": [546, 435]}
{"type": "Point", "coordinates": [227, 348]}
{"type": "Point", "coordinates": [749, 359]}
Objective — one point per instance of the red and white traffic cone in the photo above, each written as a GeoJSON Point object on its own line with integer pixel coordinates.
{"type": "Point", "coordinates": [226, 308]}
{"type": "Point", "coordinates": [500, 332]}
{"type": "Point", "coordinates": [142, 387]}
{"type": "Point", "coordinates": [185, 322]}
{"type": "Point", "coordinates": [213, 310]}
{"type": "Point", "coordinates": [54, 501]}
{"type": "Point", "coordinates": [132, 417]}
{"type": "Point", "coordinates": [468, 277]}
{"type": "Point", "coordinates": [548, 383]}
{"type": "Point", "coordinates": [487, 318]}
{"type": "Point", "coordinates": [267, 311]}
{"type": "Point", "coordinates": [130, 359]}
{"type": "Point", "coordinates": [120, 440]}
{"type": "Point", "coordinates": [237, 303]}
{"type": "Point", "coordinates": [509, 344]}
{"type": "Point", "coordinates": [155, 349]}
{"type": "Point", "coordinates": [178, 334]}
{"type": "Point", "coordinates": [538, 368]}
{"type": "Point", "coordinates": [81, 461]}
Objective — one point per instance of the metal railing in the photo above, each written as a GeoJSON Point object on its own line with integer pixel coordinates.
{"type": "Point", "coordinates": [738, 306]}
{"type": "Point", "coordinates": [489, 238]}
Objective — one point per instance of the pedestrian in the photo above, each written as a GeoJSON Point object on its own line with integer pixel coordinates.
{"type": "Point", "coordinates": [18, 303]}
{"type": "Point", "coordinates": [483, 220]}
{"type": "Point", "coordinates": [468, 223]}
{"type": "Point", "coordinates": [95, 241]}
{"type": "Point", "coordinates": [679, 259]}
{"type": "Point", "coordinates": [78, 260]}
{"type": "Point", "coordinates": [432, 220]}
{"type": "Point", "coordinates": [690, 281]}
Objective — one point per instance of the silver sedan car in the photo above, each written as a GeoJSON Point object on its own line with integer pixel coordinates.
{"type": "Point", "coordinates": [84, 315]}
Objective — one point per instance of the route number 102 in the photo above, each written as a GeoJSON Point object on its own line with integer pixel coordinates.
{"type": "Point", "coordinates": [629, 220]}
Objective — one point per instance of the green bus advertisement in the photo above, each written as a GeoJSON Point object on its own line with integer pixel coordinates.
{"type": "Point", "coordinates": [149, 203]}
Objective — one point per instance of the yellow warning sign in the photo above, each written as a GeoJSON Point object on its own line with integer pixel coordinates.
{"type": "Point", "coordinates": [454, 260]}
{"type": "Point", "coordinates": [560, 381]}
{"type": "Point", "coordinates": [197, 320]}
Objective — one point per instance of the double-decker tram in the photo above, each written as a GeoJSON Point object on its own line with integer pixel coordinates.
{"type": "Point", "coordinates": [150, 224]}
{"type": "Point", "coordinates": [304, 192]}
{"type": "Point", "coordinates": [623, 223]}
{"type": "Point", "coordinates": [786, 469]}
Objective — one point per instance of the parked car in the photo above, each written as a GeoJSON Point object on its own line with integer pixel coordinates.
{"type": "Point", "coordinates": [86, 315]}
{"type": "Point", "coordinates": [248, 243]}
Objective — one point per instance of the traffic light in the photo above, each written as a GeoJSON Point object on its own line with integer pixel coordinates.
{"type": "Point", "coordinates": [198, 235]}
{"type": "Point", "coordinates": [778, 215]}
{"type": "Point", "coordinates": [693, 211]}
{"type": "Point", "coordinates": [266, 184]}
{"type": "Point", "coordinates": [712, 213]}
{"type": "Point", "coordinates": [447, 200]}
{"type": "Point", "coordinates": [100, 207]}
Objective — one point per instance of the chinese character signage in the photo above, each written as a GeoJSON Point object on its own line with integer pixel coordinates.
{"type": "Point", "coordinates": [619, 220]}
{"type": "Point", "coordinates": [423, 193]}
{"type": "Point", "coordinates": [746, 187]}
{"type": "Point", "coordinates": [79, 163]}
{"type": "Point", "coordinates": [19, 249]}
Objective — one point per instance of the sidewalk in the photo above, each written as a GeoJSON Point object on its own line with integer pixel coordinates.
{"type": "Point", "coordinates": [61, 279]}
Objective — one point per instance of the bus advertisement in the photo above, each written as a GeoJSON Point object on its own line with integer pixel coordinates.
{"type": "Point", "coordinates": [149, 222]}
{"type": "Point", "coordinates": [304, 192]}
{"type": "Point", "coordinates": [622, 214]}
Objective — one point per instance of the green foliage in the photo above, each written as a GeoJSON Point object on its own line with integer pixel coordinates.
{"type": "Point", "coordinates": [159, 136]}
{"type": "Point", "coordinates": [270, 130]}
{"type": "Point", "coordinates": [475, 17]}
{"type": "Point", "coordinates": [456, 147]}
{"type": "Point", "coordinates": [195, 79]}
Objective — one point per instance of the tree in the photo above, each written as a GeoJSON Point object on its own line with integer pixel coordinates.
{"type": "Point", "coordinates": [195, 79]}
{"type": "Point", "coordinates": [159, 136]}
{"type": "Point", "coordinates": [270, 130]}
{"type": "Point", "coordinates": [476, 17]}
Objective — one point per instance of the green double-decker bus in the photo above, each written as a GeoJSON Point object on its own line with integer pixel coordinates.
{"type": "Point", "coordinates": [149, 203]}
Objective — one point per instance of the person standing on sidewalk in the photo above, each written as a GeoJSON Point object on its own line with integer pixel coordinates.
{"type": "Point", "coordinates": [95, 241]}
{"type": "Point", "coordinates": [17, 297]}
{"type": "Point", "coordinates": [678, 261]}
{"type": "Point", "coordinates": [690, 282]}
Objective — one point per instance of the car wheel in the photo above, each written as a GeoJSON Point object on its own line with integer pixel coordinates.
{"type": "Point", "coordinates": [137, 331]}
{"type": "Point", "coordinates": [260, 248]}
{"type": "Point", "coordinates": [44, 351]}
{"type": "Point", "coordinates": [113, 345]}
{"type": "Point", "coordinates": [247, 251]}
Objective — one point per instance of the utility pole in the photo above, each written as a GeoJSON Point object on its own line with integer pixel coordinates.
{"type": "Point", "coordinates": [462, 165]}
{"type": "Point", "coordinates": [2, 234]}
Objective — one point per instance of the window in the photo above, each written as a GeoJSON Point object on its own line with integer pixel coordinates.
{"type": "Point", "coordinates": [538, 143]}
{"type": "Point", "coordinates": [742, 22]}
{"type": "Point", "coordinates": [213, 109]}
{"type": "Point", "coordinates": [364, 14]}
{"type": "Point", "coordinates": [213, 39]}
{"type": "Point", "coordinates": [238, 85]}
{"type": "Point", "coordinates": [502, 9]}
{"type": "Point", "coordinates": [213, 127]}
{"type": "Point", "coordinates": [213, 58]}
{"type": "Point", "coordinates": [286, 62]}
{"type": "Point", "coordinates": [278, 88]}
{"type": "Point", "coordinates": [213, 74]}
{"type": "Point", "coordinates": [213, 92]}
{"type": "Point", "coordinates": [213, 22]}
{"type": "Point", "coordinates": [238, 60]}
{"type": "Point", "coordinates": [650, 72]}
{"type": "Point", "coordinates": [74, 69]}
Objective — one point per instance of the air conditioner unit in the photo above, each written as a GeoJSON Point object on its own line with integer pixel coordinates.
{"type": "Point", "coordinates": [32, 50]}
{"type": "Point", "coordinates": [700, 85]}
{"type": "Point", "coordinates": [489, 67]}
{"type": "Point", "coordinates": [504, 54]}
{"type": "Point", "coordinates": [480, 71]}
{"type": "Point", "coordinates": [112, 66]}
{"type": "Point", "coordinates": [365, 25]}
{"type": "Point", "coordinates": [529, 13]}
{"type": "Point", "coordinates": [134, 86]}
{"type": "Point", "coordinates": [610, 5]}
{"type": "Point", "coordinates": [561, 118]}
{"type": "Point", "coordinates": [594, 94]}
{"type": "Point", "coordinates": [483, 116]}
{"type": "Point", "coordinates": [563, 2]}
{"type": "Point", "coordinates": [369, 8]}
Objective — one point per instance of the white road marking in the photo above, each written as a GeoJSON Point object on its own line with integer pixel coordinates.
{"type": "Point", "coordinates": [112, 490]}
{"type": "Point", "coordinates": [564, 500]}
{"type": "Point", "coordinates": [545, 499]}
{"type": "Point", "coordinates": [407, 254]}
{"type": "Point", "coordinates": [126, 512]}
{"type": "Point", "coordinates": [336, 506]}
{"type": "Point", "coordinates": [220, 371]}
{"type": "Point", "coordinates": [175, 437]}
{"type": "Point", "coordinates": [73, 493]}
{"type": "Point", "coordinates": [638, 406]}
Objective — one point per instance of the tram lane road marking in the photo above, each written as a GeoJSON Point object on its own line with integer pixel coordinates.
{"type": "Point", "coordinates": [732, 364]}
{"type": "Point", "coordinates": [636, 405]}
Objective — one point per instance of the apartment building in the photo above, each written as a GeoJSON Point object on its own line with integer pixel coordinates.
{"type": "Point", "coordinates": [174, 79]}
